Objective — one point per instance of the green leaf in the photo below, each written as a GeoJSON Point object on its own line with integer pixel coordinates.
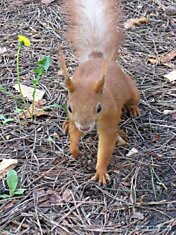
{"type": "Point", "coordinates": [19, 191]}
{"type": "Point", "coordinates": [12, 181]}
{"type": "Point", "coordinates": [18, 110]}
{"type": "Point", "coordinates": [2, 88]}
{"type": "Point", "coordinates": [45, 62]}
{"type": "Point", "coordinates": [57, 106]}
{"type": "Point", "coordinates": [4, 196]}
{"type": "Point", "coordinates": [39, 71]}
{"type": "Point", "coordinates": [64, 107]}
{"type": "Point", "coordinates": [50, 139]}
{"type": "Point", "coordinates": [35, 82]}
{"type": "Point", "coordinates": [6, 121]}
{"type": "Point", "coordinates": [2, 117]}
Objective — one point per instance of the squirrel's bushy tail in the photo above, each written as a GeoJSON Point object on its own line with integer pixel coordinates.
{"type": "Point", "coordinates": [94, 27]}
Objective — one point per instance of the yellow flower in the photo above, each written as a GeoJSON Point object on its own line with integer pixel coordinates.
{"type": "Point", "coordinates": [24, 40]}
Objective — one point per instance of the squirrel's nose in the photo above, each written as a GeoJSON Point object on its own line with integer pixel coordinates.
{"type": "Point", "coordinates": [84, 128]}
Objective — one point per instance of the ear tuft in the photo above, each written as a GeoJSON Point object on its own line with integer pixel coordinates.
{"type": "Point", "coordinates": [69, 84]}
{"type": "Point", "coordinates": [99, 85]}
{"type": "Point", "coordinates": [61, 59]}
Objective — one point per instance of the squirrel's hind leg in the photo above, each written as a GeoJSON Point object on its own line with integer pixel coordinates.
{"type": "Point", "coordinates": [133, 110]}
{"type": "Point", "coordinates": [132, 106]}
{"type": "Point", "coordinates": [132, 102]}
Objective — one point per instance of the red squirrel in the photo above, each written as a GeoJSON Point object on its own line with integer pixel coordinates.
{"type": "Point", "coordinates": [99, 89]}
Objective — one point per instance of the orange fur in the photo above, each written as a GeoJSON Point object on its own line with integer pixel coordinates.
{"type": "Point", "coordinates": [101, 90]}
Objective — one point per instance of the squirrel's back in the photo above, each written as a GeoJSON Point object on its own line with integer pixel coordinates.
{"type": "Point", "coordinates": [94, 27]}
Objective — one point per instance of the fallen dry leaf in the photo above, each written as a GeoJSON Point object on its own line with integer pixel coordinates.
{"type": "Point", "coordinates": [171, 76]}
{"type": "Point", "coordinates": [18, 3]}
{"type": "Point", "coordinates": [164, 58]}
{"type": "Point", "coordinates": [36, 112]}
{"type": "Point", "coordinates": [169, 65]}
{"type": "Point", "coordinates": [48, 197]}
{"type": "Point", "coordinates": [6, 165]}
{"type": "Point", "coordinates": [7, 206]}
{"type": "Point", "coordinates": [54, 197]}
{"type": "Point", "coordinates": [3, 50]}
{"type": "Point", "coordinates": [154, 154]}
{"type": "Point", "coordinates": [174, 116]}
{"type": "Point", "coordinates": [125, 183]}
{"type": "Point", "coordinates": [153, 60]}
{"type": "Point", "coordinates": [47, 2]}
{"type": "Point", "coordinates": [132, 152]}
{"type": "Point", "coordinates": [156, 138]}
{"type": "Point", "coordinates": [40, 103]}
{"type": "Point", "coordinates": [67, 195]}
{"type": "Point", "coordinates": [116, 171]}
{"type": "Point", "coordinates": [135, 22]}
{"type": "Point", "coordinates": [168, 57]}
{"type": "Point", "coordinates": [28, 91]}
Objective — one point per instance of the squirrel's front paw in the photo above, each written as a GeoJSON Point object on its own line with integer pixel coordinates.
{"type": "Point", "coordinates": [74, 151]}
{"type": "Point", "coordinates": [102, 177]}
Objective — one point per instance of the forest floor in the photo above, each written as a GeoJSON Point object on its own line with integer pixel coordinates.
{"type": "Point", "coordinates": [59, 198]}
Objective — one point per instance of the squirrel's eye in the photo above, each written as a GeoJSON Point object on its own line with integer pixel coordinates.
{"type": "Point", "coordinates": [98, 108]}
{"type": "Point", "coordinates": [69, 108]}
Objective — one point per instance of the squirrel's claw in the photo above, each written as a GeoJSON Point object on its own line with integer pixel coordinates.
{"type": "Point", "coordinates": [74, 151]}
{"type": "Point", "coordinates": [134, 111]}
{"type": "Point", "coordinates": [103, 178]}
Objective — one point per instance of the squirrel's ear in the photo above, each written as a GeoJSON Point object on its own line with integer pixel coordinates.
{"type": "Point", "coordinates": [61, 59]}
{"type": "Point", "coordinates": [99, 85]}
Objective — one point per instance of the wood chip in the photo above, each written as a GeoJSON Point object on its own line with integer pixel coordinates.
{"type": "Point", "coordinates": [166, 112]}
{"type": "Point", "coordinates": [138, 216]}
{"type": "Point", "coordinates": [47, 2]}
{"type": "Point", "coordinates": [3, 50]}
{"type": "Point", "coordinates": [120, 141]}
{"type": "Point", "coordinates": [171, 76]}
{"type": "Point", "coordinates": [132, 152]}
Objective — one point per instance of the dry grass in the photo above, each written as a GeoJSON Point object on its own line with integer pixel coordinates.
{"type": "Point", "coordinates": [59, 198]}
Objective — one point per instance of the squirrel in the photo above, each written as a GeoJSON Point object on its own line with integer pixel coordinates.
{"type": "Point", "coordinates": [99, 89]}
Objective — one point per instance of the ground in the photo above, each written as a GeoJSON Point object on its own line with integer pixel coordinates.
{"type": "Point", "coordinates": [59, 198]}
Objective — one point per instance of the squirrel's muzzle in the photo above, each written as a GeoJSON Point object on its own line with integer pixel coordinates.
{"type": "Point", "coordinates": [86, 127]}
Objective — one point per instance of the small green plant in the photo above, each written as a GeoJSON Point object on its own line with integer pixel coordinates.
{"type": "Point", "coordinates": [3, 90]}
{"type": "Point", "coordinates": [22, 41]}
{"type": "Point", "coordinates": [57, 106]}
{"type": "Point", "coordinates": [18, 110]}
{"type": "Point", "coordinates": [12, 182]}
{"type": "Point", "coordinates": [42, 68]}
{"type": "Point", "coordinates": [5, 120]}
